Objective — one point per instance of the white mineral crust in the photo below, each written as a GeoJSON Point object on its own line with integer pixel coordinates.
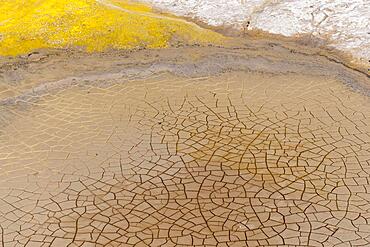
{"type": "Point", "coordinates": [343, 24]}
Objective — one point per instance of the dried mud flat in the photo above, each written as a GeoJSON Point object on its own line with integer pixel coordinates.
{"type": "Point", "coordinates": [248, 145]}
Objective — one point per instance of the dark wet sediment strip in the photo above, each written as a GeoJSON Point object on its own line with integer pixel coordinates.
{"type": "Point", "coordinates": [212, 61]}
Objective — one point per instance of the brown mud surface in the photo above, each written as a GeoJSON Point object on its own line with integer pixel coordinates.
{"type": "Point", "coordinates": [252, 144]}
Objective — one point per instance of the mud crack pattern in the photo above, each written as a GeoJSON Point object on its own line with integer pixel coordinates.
{"type": "Point", "coordinates": [241, 158]}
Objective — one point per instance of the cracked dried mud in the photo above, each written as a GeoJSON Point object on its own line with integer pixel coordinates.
{"type": "Point", "coordinates": [249, 145]}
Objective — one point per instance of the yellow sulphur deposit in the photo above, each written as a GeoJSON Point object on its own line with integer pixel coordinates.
{"type": "Point", "coordinates": [95, 25]}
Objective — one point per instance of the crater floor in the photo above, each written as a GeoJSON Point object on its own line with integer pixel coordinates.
{"type": "Point", "coordinates": [254, 145]}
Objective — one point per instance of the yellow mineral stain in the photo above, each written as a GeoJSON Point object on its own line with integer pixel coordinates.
{"type": "Point", "coordinates": [95, 25]}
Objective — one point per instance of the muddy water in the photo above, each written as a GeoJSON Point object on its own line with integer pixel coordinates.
{"type": "Point", "coordinates": [252, 145]}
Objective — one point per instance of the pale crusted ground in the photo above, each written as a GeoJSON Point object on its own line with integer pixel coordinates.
{"type": "Point", "coordinates": [344, 24]}
{"type": "Point", "coordinates": [253, 145]}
